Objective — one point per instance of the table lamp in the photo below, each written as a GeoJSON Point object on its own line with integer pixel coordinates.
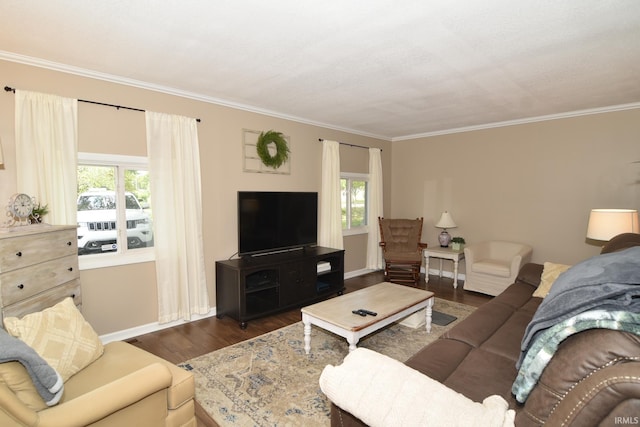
{"type": "Point", "coordinates": [446, 221]}
{"type": "Point", "coordinates": [604, 224]}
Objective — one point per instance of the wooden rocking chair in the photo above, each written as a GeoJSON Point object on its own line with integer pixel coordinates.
{"type": "Point", "coordinates": [402, 249]}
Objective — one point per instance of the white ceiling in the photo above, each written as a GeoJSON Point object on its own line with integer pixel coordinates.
{"type": "Point", "coordinates": [385, 68]}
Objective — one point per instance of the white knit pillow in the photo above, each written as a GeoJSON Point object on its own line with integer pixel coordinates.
{"type": "Point", "coordinates": [60, 335]}
{"type": "Point", "coordinates": [384, 392]}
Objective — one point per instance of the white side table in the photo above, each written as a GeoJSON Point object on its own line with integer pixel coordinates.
{"type": "Point", "coordinates": [443, 253]}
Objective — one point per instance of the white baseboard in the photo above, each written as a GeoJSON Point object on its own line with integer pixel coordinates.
{"type": "Point", "coordinates": [432, 271]}
{"type": "Point", "coordinates": [357, 273]}
{"type": "Point", "coordinates": [155, 326]}
{"type": "Point", "coordinates": [448, 274]}
{"type": "Point", "coordinates": [151, 327]}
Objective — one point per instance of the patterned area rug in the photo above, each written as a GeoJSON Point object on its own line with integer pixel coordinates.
{"type": "Point", "coordinates": [270, 381]}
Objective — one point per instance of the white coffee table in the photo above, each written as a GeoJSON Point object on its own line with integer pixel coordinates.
{"type": "Point", "coordinates": [390, 301]}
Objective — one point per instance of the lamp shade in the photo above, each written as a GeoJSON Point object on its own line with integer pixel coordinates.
{"type": "Point", "coordinates": [604, 224]}
{"type": "Point", "coordinates": [446, 221]}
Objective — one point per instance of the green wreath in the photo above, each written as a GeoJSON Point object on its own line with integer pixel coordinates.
{"type": "Point", "coordinates": [282, 150]}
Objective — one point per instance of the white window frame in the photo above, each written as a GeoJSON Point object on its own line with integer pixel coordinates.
{"type": "Point", "coordinates": [351, 231]}
{"type": "Point", "coordinates": [121, 256]}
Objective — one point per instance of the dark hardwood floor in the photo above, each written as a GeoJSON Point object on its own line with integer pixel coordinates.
{"type": "Point", "coordinates": [187, 341]}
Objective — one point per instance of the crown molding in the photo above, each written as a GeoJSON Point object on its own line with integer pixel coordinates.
{"type": "Point", "coordinates": [82, 72]}
{"type": "Point", "coordinates": [55, 66]}
{"type": "Point", "coordinates": [568, 114]}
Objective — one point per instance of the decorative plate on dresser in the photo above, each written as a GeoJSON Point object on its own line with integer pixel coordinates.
{"type": "Point", "coordinates": [38, 268]}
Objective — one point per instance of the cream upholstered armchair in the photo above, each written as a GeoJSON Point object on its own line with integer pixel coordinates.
{"type": "Point", "coordinates": [493, 265]}
{"type": "Point", "coordinates": [116, 384]}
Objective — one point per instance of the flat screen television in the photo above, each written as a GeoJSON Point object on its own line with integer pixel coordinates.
{"type": "Point", "coordinates": [272, 221]}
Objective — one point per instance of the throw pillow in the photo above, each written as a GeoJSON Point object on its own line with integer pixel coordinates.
{"type": "Point", "coordinates": [17, 379]}
{"type": "Point", "coordinates": [550, 273]}
{"type": "Point", "coordinates": [60, 335]}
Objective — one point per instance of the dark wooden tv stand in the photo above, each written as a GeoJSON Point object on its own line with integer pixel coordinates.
{"type": "Point", "coordinates": [252, 287]}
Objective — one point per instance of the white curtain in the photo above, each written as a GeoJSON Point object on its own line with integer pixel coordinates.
{"type": "Point", "coordinates": [330, 209]}
{"type": "Point", "coordinates": [174, 169]}
{"type": "Point", "coordinates": [47, 152]}
{"type": "Point", "coordinates": [374, 252]}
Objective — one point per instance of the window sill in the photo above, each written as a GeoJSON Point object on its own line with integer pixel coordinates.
{"type": "Point", "coordinates": [89, 262]}
{"type": "Point", "coordinates": [355, 231]}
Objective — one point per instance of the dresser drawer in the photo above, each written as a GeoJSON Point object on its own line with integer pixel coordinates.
{"type": "Point", "coordinates": [23, 251]}
{"type": "Point", "coordinates": [25, 282]}
{"type": "Point", "coordinates": [45, 300]}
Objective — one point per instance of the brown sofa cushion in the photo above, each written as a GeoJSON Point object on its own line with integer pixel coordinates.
{"type": "Point", "coordinates": [440, 359]}
{"type": "Point", "coordinates": [530, 274]}
{"type": "Point", "coordinates": [485, 321]}
{"type": "Point", "coordinates": [482, 374]}
{"type": "Point", "coordinates": [477, 357]}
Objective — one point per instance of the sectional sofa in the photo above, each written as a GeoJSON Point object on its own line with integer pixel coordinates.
{"type": "Point", "coordinates": [593, 378]}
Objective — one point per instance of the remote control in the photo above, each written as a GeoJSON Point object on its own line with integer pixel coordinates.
{"type": "Point", "coordinates": [372, 313]}
{"type": "Point", "coordinates": [359, 312]}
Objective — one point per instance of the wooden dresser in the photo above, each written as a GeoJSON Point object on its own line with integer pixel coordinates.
{"type": "Point", "coordinates": [38, 268]}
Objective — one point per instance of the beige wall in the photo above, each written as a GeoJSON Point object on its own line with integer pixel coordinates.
{"type": "Point", "coordinates": [533, 183]}
{"type": "Point", "coordinates": [124, 297]}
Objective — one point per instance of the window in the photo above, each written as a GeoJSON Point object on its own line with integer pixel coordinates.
{"type": "Point", "coordinates": [354, 201]}
{"type": "Point", "coordinates": [114, 215]}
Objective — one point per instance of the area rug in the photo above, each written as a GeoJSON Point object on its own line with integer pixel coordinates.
{"type": "Point", "coordinates": [270, 381]}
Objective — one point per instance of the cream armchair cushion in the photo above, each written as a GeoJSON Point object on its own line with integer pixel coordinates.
{"type": "Point", "coordinates": [491, 266]}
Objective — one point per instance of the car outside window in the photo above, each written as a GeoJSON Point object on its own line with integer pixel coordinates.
{"type": "Point", "coordinates": [115, 222]}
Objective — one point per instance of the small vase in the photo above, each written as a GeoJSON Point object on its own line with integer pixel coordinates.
{"type": "Point", "coordinates": [444, 238]}
{"type": "Point", "coordinates": [456, 246]}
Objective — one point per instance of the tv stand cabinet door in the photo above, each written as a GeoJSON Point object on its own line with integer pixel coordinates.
{"type": "Point", "coordinates": [297, 283]}
{"type": "Point", "coordinates": [245, 294]}
{"type": "Point", "coordinates": [228, 295]}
